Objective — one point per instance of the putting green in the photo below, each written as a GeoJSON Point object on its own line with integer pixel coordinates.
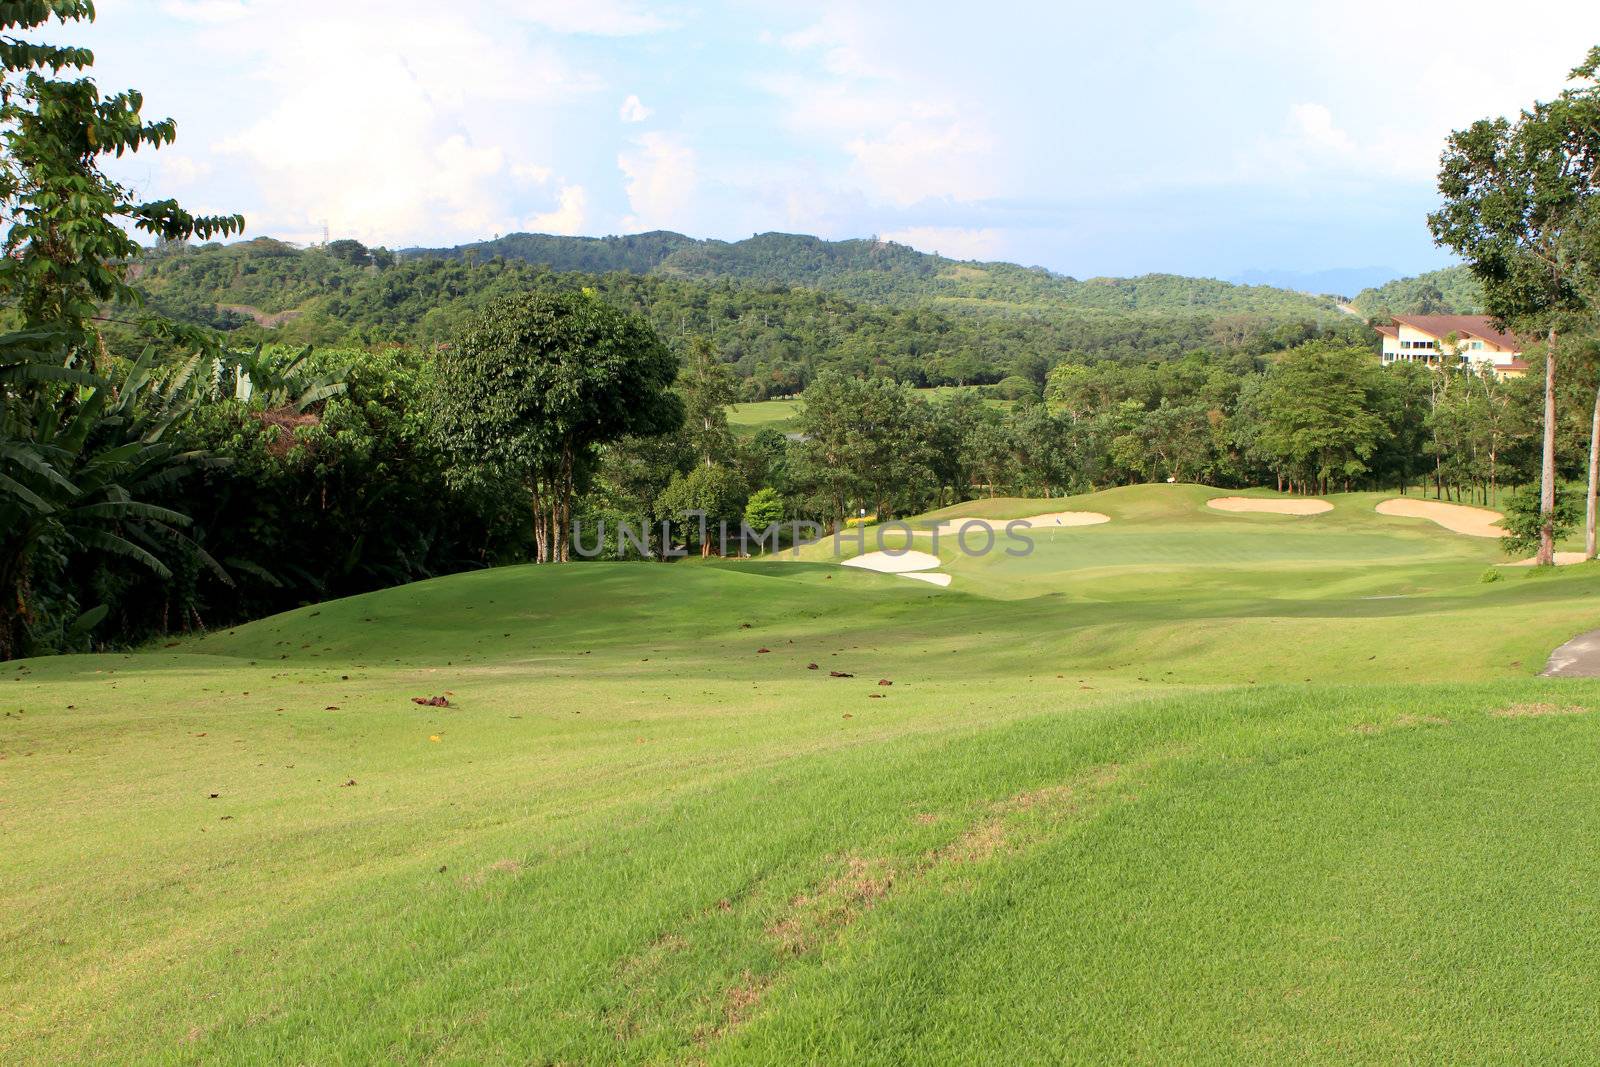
{"type": "Point", "coordinates": [1182, 785]}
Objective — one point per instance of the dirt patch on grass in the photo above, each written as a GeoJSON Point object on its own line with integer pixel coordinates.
{"type": "Point", "coordinates": [1400, 722]}
{"type": "Point", "coordinates": [833, 905]}
{"type": "Point", "coordinates": [739, 1002]}
{"type": "Point", "coordinates": [652, 980]}
{"type": "Point", "coordinates": [1537, 711]}
{"type": "Point", "coordinates": [996, 832]}
{"type": "Point", "coordinates": [270, 319]}
{"type": "Point", "coordinates": [497, 867]}
{"type": "Point", "coordinates": [1251, 505]}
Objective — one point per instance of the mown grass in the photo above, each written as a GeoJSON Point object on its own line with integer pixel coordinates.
{"type": "Point", "coordinates": [1216, 806]}
{"type": "Point", "coordinates": [780, 415]}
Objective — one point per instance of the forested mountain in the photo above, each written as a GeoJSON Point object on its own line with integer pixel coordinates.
{"type": "Point", "coordinates": [870, 269]}
{"type": "Point", "coordinates": [777, 335]}
{"type": "Point", "coordinates": [637, 253]}
{"type": "Point", "coordinates": [1452, 291]}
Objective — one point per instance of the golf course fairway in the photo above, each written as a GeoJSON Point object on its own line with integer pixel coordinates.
{"type": "Point", "coordinates": [1186, 784]}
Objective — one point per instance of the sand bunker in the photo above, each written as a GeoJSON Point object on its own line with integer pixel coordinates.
{"type": "Point", "coordinates": [894, 563]}
{"type": "Point", "coordinates": [952, 527]}
{"type": "Point", "coordinates": [905, 564]}
{"type": "Point", "coordinates": [1563, 559]}
{"type": "Point", "coordinates": [1457, 518]}
{"type": "Point", "coordinates": [1269, 505]}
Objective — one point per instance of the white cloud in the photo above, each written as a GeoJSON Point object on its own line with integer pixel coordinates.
{"type": "Point", "coordinates": [843, 38]}
{"type": "Point", "coordinates": [1313, 142]}
{"type": "Point", "coordinates": [182, 170]}
{"type": "Point", "coordinates": [926, 156]}
{"type": "Point", "coordinates": [661, 181]}
{"type": "Point", "coordinates": [210, 11]}
{"type": "Point", "coordinates": [604, 18]}
{"type": "Point", "coordinates": [1314, 124]}
{"type": "Point", "coordinates": [633, 110]}
{"type": "Point", "coordinates": [953, 242]}
{"type": "Point", "coordinates": [568, 216]}
{"type": "Point", "coordinates": [398, 147]}
{"type": "Point", "coordinates": [909, 138]}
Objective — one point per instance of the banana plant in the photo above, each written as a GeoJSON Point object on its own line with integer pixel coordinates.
{"type": "Point", "coordinates": [262, 377]}
{"type": "Point", "coordinates": [80, 456]}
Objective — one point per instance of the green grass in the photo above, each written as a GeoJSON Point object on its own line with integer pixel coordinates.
{"type": "Point", "coordinates": [780, 415]}
{"type": "Point", "coordinates": [784, 415]}
{"type": "Point", "coordinates": [1175, 787]}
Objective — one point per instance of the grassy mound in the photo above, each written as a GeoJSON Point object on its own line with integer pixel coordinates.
{"type": "Point", "coordinates": [1187, 784]}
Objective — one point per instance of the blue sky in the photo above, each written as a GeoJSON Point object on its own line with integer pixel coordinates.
{"type": "Point", "coordinates": [1211, 138]}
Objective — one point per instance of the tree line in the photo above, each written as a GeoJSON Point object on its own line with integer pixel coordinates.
{"type": "Point", "coordinates": [775, 337]}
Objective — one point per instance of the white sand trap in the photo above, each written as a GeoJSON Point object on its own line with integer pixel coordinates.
{"type": "Point", "coordinates": [952, 527]}
{"type": "Point", "coordinates": [1457, 518]}
{"type": "Point", "coordinates": [1269, 505]}
{"type": "Point", "coordinates": [1563, 559]}
{"type": "Point", "coordinates": [896, 563]}
{"type": "Point", "coordinates": [931, 577]}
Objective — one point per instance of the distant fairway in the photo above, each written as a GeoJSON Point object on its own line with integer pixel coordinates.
{"type": "Point", "coordinates": [1185, 785]}
{"type": "Point", "coordinates": [780, 415]}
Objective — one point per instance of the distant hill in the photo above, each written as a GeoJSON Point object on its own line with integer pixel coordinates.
{"type": "Point", "coordinates": [879, 271]}
{"type": "Point", "coordinates": [778, 308]}
{"type": "Point", "coordinates": [638, 253]}
{"type": "Point", "coordinates": [1340, 281]}
{"type": "Point", "coordinates": [1452, 291]}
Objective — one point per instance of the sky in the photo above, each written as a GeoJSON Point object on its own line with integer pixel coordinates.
{"type": "Point", "coordinates": [1215, 137]}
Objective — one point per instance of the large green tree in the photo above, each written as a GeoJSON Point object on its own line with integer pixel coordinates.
{"type": "Point", "coordinates": [867, 446]}
{"type": "Point", "coordinates": [1522, 205]}
{"type": "Point", "coordinates": [1318, 409]}
{"type": "Point", "coordinates": [534, 384]}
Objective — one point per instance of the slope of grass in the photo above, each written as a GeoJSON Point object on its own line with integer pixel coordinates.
{"type": "Point", "coordinates": [780, 415]}
{"type": "Point", "coordinates": [1217, 805]}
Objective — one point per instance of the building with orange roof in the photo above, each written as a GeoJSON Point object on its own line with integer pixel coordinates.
{"type": "Point", "coordinates": [1472, 339]}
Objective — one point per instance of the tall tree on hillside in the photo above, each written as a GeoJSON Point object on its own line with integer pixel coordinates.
{"type": "Point", "coordinates": [708, 387]}
{"type": "Point", "coordinates": [534, 384]}
{"type": "Point", "coordinates": [1522, 205]}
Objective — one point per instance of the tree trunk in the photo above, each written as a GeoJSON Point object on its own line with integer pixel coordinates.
{"type": "Point", "coordinates": [1547, 470]}
{"type": "Point", "coordinates": [541, 525]}
{"type": "Point", "coordinates": [1594, 481]}
{"type": "Point", "coordinates": [561, 535]}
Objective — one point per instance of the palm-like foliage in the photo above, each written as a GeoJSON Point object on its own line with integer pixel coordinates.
{"type": "Point", "coordinates": [278, 384]}
{"type": "Point", "coordinates": [80, 457]}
